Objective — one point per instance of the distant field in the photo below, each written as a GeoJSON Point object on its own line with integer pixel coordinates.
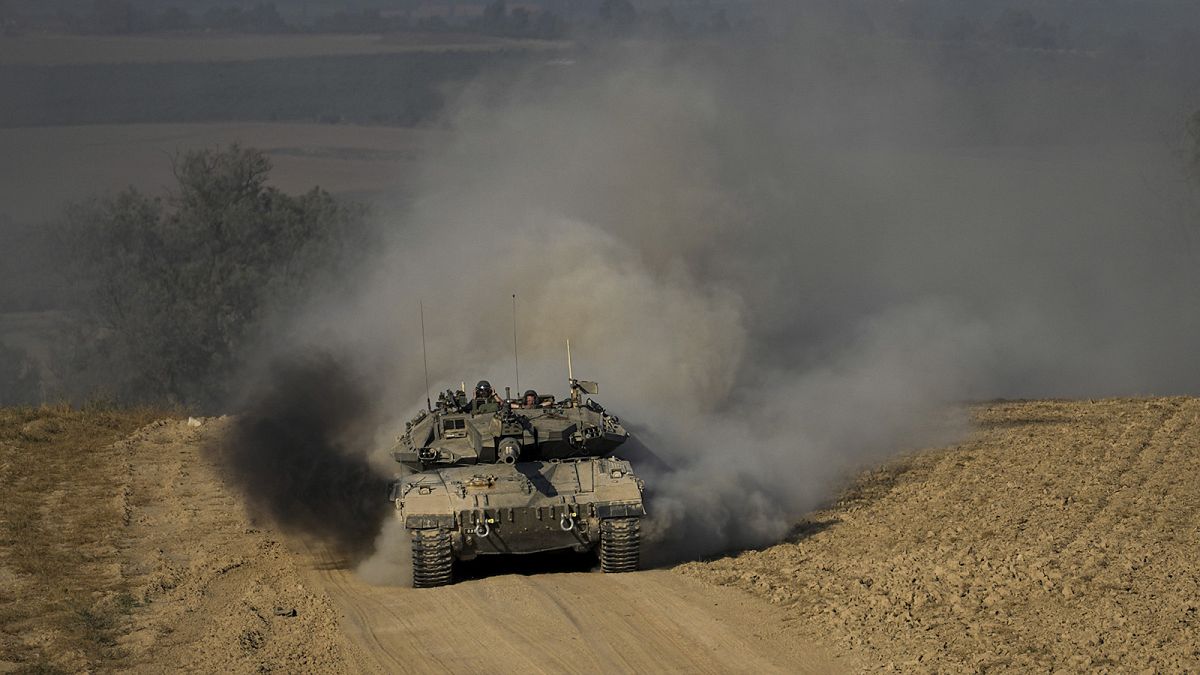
{"type": "Point", "coordinates": [401, 88]}
{"type": "Point", "coordinates": [44, 168]}
{"type": "Point", "coordinates": [56, 50]}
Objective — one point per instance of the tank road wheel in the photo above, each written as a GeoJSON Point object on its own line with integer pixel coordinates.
{"type": "Point", "coordinates": [620, 544]}
{"type": "Point", "coordinates": [432, 559]}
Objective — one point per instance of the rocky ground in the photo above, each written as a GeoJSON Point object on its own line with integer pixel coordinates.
{"type": "Point", "coordinates": [1059, 536]}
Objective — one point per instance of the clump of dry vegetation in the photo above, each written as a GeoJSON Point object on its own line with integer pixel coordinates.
{"type": "Point", "coordinates": [63, 600]}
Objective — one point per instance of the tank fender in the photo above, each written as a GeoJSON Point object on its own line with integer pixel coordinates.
{"type": "Point", "coordinates": [619, 510]}
{"type": "Point", "coordinates": [422, 521]}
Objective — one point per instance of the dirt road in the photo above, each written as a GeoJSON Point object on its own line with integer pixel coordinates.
{"type": "Point", "coordinates": [580, 622]}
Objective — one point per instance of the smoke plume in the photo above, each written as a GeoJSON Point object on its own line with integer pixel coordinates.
{"type": "Point", "coordinates": [296, 451]}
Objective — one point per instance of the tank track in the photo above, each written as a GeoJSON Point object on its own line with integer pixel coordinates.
{"type": "Point", "coordinates": [620, 544]}
{"type": "Point", "coordinates": [432, 559]}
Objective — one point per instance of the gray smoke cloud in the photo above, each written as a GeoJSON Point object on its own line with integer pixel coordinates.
{"type": "Point", "coordinates": [778, 274]}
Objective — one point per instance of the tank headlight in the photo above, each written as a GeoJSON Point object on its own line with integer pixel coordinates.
{"type": "Point", "coordinates": [424, 490]}
{"type": "Point", "coordinates": [616, 473]}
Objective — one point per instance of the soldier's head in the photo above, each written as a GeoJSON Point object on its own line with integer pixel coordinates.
{"type": "Point", "coordinates": [483, 389]}
{"type": "Point", "coordinates": [531, 398]}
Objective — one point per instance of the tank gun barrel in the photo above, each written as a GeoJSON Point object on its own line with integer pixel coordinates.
{"type": "Point", "coordinates": [509, 451]}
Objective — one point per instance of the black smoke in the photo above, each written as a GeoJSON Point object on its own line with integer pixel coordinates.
{"type": "Point", "coordinates": [297, 451]}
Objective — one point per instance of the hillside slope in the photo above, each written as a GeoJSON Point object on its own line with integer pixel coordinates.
{"type": "Point", "coordinates": [1059, 535]}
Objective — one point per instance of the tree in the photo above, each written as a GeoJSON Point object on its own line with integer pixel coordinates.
{"type": "Point", "coordinates": [174, 293]}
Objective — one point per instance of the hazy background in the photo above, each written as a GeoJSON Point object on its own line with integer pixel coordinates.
{"type": "Point", "coordinates": [787, 238]}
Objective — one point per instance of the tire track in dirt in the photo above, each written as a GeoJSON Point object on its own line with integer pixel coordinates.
{"type": "Point", "coordinates": [563, 623]}
{"type": "Point", "coordinates": [1142, 464]}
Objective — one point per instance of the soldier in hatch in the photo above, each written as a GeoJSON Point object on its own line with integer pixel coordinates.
{"type": "Point", "coordinates": [485, 400]}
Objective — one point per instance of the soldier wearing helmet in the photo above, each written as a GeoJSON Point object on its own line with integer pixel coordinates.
{"type": "Point", "coordinates": [530, 399]}
{"type": "Point", "coordinates": [485, 400]}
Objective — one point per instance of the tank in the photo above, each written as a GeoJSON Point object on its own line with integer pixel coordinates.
{"type": "Point", "coordinates": [497, 477]}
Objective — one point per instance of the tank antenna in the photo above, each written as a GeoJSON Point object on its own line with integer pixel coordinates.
{"type": "Point", "coordinates": [516, 363]}
{"type": "Point", "coordinates": [425, 355]}
{"type": "Point", "coordinates": [570, 371]}
{"type": "Point", "coordinates": [571, 376]}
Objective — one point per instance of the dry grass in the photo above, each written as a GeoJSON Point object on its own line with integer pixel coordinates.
{"type": "Point", "coordinates": [62, 600]}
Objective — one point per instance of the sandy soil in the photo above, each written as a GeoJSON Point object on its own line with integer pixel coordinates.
{"type": "Point", "coordinates": [1060, 536]}
{"type": "Point", "coordinates": [581, 622]}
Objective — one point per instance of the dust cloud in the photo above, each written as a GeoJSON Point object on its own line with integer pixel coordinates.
{"type": "Point", "coordinates": [390, 562]}
{"type": "Point", "coordinates": [781, 267]}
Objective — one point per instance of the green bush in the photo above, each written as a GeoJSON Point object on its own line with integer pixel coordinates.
{"type": "Point", "coordinates": [172, 294]}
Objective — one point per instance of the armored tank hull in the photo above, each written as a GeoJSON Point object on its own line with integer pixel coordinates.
{"type": "Point", "coordinates": [462, 512]}
{"type": "Point", "coordinates": [516, 480]}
